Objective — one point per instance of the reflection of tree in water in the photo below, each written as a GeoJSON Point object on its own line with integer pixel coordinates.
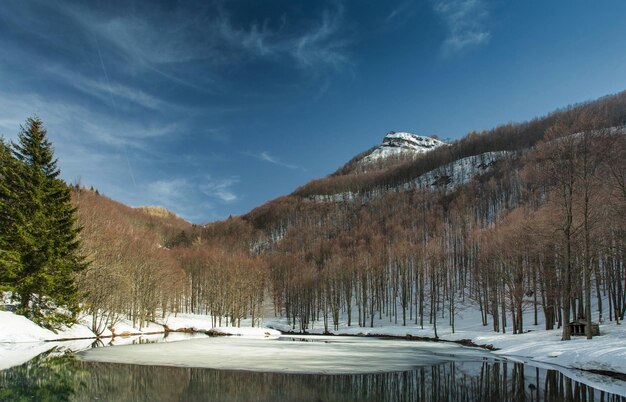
{"type": "Point", "coordinates": [468, 381]}
{"type": "Point", "coordinates": [48, 378]}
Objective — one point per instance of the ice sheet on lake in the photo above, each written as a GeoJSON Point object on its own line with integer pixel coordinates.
{"type": "Point", "coordinates": [322, 355]}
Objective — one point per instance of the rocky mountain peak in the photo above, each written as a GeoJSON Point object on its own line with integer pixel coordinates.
{"type": "Point", "coordinates": [395, 143]}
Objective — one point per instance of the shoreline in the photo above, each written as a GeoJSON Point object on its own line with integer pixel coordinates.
{"type": "Point", "coordinates": [467, 343]}
{"type": "Point", "coordinates": [408, 337]}
{"type": "Point", "coordinates": [604, 355]}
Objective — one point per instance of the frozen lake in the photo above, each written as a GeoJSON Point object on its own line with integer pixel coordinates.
{"type": "Point", "coordinates": [301, 368]}
{"type": "Point", "coordinates": [301, 354]}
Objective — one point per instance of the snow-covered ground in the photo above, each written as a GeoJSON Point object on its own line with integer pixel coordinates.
{"type": "Point", "coordinates": [18, 329]}
{"type": "Point", "coordinates": [203, 323]}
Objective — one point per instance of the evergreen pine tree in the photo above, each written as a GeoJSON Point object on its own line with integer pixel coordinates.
{"type": "Point", "coordinates": [9, 259]}
{"type": "Point", "coordinates": [39, 226]}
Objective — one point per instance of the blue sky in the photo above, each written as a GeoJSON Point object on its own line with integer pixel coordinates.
{"type": "Point", "coordinates": [211, 108]}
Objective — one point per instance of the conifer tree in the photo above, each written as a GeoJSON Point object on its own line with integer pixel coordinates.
{"type": "Point", "coordinates": [9, 259]}
{"type": "Point", "coordinates": [39, 228]}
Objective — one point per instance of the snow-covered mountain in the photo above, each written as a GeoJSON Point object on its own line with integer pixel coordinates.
{"type": "Point", "coordinates": [396, 143]}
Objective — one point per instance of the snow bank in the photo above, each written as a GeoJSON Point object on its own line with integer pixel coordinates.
{"type": "Point", "coordinates": [126, 328]}
{"type": "Point", "coordinates": [606, 352]}
{"type": "Point", "coordinates": [204, 323]}
{"type": "Point", "coordinates": [79, 330]}
{"type": "Point", "coordinates": [248, 332]}
{"type": "Point", "coordinates": [17, 328]}
{"type": "Point", "coordinates": [181, 322]}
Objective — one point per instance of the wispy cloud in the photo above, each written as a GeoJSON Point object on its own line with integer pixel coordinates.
{"type": "Point", "coordinates": [86, 139]}
{"type": "Point", "coordinates": [69, 121]}
{"type": "Point", "coordinates": [266, 157]}
{"type": "Point", "coordinates": [466, 21]}
{"type": "Point", "coordinates": [107, 91]}
{"type": "Point", "coordinates": [255, 40]}
{"type": "Point", "coordinates": [175, 194]}
{"type": "Point", "coordinates": [324, 44]}
{"type": "Point", "coordinates": [105, 80]}
{"type": "Point", "coordinates": [220, 188]}
{"type": "Point", "coordinates": [169, 192]}
{"type": "Point", "coordinates": [401, 13]}
{"type": "Point", "coordinates": [160, 40]}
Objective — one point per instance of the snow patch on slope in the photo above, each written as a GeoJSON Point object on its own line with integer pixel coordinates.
{"type": "Point", "coordinates": [460, 171]}
{"type": "Point", "coordinates": [448, 176]}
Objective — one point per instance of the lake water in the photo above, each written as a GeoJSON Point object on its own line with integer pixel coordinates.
{"type": "Point", "coordinates": [294, 369]}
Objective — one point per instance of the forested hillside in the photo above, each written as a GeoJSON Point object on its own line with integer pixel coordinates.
{"type": "Point", "coordinates": [523, 217]}
{"type": "Point", "coordinates": [130, 270]}
{"type": "Point", "coordinates": [540, 228]}
{"type": "Point", "coordinates": [144, 262]}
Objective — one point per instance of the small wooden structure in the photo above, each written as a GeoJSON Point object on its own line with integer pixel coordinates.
{"type": "Point", "coordinates": [577, 327]}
